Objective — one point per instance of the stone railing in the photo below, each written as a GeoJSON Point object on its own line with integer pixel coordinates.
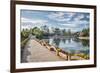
{"type": "Point", "coordinates": [59, 52]}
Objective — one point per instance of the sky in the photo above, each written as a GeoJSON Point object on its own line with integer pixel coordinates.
{"type": "Point", "coordinates": [75, 21]}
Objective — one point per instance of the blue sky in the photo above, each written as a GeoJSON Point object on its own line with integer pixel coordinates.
{"type": "Point", "coordinates": [75, 21]}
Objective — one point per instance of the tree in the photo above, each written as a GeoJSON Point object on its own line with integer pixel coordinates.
{"type": "Point", "coordinates": [24, 34]}
{"type": "Point", "coordinates": [37, 32]}
{"type": "Point", "coordinates": [69, 32]}
{"type": "Point", "coordinates": [85, 32]}
{"type": "Point", "coordinates": [57, 31]}
{"type": "Point", "coordinates": [45, 29]}
{"type": "Point", "coordinates": [64, 32]}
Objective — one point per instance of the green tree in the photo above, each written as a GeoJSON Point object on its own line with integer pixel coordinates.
{"type": "Point", "coordinates": [45, 29]}
{"type": "Point", "coordinates": [24, 34]}
{"type": "Point", "coordinates": [37, 32]}
{"type": "Point", "coordinates": [57, 31]}
{"type": "Point", "coordinates": [85, 32]}
{"type": "Point", "coordinates": [69, 32]}
{"type": "Point", "coordinates": [64, 32]}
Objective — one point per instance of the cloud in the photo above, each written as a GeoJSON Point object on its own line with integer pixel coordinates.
{"type": "Point", "coordinates": [60, 19]}
{"type": "Point", "coordinates": [87, 16]}
{"type": "Point", "coordinates": [24, 27]}
{"type": "Point", "coordinates": [30, 23]}
{"type": "Point", "coordinates": [70, 20]}
{"type": "Point", "coordinates": [67, 17]}
{"type": "Point", "coordinates": [56, 15]}
{"type": "Point", "coordinates": [79, 20]}
{"type": "Point", "coordinates": [69, 25]}
{"type": "Point", "coordinates": [79, 17]}
{"type": "Point", "coordinates": [34, 21]}
{"type": "Point", "coordinates": [61, 16]}
{"type": "Point", "coordinates": [29, 12]}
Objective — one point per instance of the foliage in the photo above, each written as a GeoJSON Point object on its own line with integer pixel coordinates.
{"type": "Point", "coordinates": [24, 42]}
{"type": "Point", "coordinates": [64, 33]}
{"type": "Point", "coordinates": [24, 34]}
{"type": "Point", "coordinates": [37, 32]}
{"type": "Point", "coordinates": [57, 31]}
{"type": "Point", "coordinates": [85, 32]}
{"type": "Point", "coordinates": [44, 31]}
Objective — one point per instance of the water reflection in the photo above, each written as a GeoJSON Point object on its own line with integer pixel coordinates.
{"type": "Point", "coordinates": [56, 41]}
{"type": "Point", "coordinates": [72, 45]}
{"type": "Point", "coordinates": [85, 42]}
{"type": "Point", "coordinates": [64, 41]}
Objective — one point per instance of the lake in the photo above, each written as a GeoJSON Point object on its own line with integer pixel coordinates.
{"type": "Point", "coordinates": [71, 45]}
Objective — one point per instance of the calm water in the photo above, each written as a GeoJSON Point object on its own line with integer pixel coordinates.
{"type": "Point", "coordinates": [71, 45]}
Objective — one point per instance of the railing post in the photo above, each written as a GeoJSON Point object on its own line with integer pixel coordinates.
{"type": "Point", "coordinates": [69, 56]}
{"type": "Point", "coordinates": [66, 56]}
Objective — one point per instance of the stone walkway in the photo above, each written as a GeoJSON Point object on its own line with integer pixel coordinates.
{"type": "Point", "coordinates": [39, 53]}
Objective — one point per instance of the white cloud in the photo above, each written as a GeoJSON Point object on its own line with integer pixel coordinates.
{"type": "Point", "coordinates": [30, 11]}
{"type": "Point", "coordinates": [88, 16]}
{"type": "Point", "coordinates": [24, 27]}
{"type": "Point", "coordinates": [34, 21]}
{"type": "Point", "coordinates": [57, 15]}
{"type": "Point", "coordinates": [30, 23]}
{"type": "Point", "coordinates": [60, 16]}
{"type": "Point", "coordinates": [70, 14]}
{"type": "Point", "coordinates": [79, 17]}
{"type": "Point", "coordinates": [69, 25]}
{"type": "Point", "coordinates": [76, 23]}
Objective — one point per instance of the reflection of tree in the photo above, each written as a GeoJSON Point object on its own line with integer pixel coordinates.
{"type": "Point", "coordinates": [85, 51]}
{"type": "Point", "coordinates": [69, 40]}
{"type": "Point", "coordinates": [76, 39]}
{"type": "Point", "coordinates": [57, 41]}
{"type": "Point", "coordinates": [85, 42]}
{"type": "Point", "coordinates": [64, 41]}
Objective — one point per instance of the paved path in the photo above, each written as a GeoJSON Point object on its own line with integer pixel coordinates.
{"type": "Point", "coordinates": [39, 53]}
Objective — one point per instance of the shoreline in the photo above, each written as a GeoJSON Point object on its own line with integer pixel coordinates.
{"type": "Point", "coordinates": [84, 38]}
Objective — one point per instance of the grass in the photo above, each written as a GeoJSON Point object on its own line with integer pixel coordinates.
{"type": "Point", "coordinates": [23, 43]}
{"type": "Point", "coordinates": [85, 56]}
